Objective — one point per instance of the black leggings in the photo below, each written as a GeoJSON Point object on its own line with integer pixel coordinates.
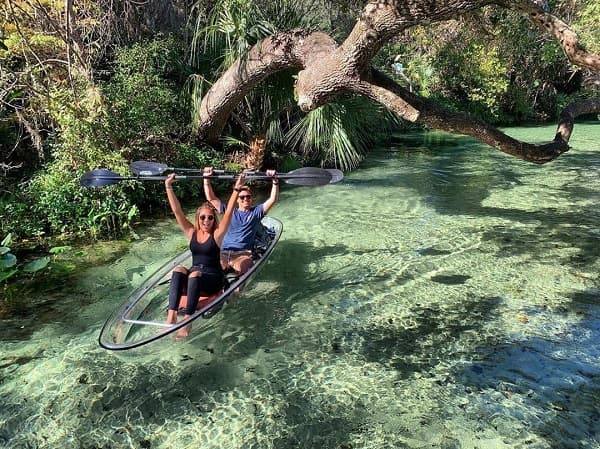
{"type": "Point", "coordinates": [204, 285]}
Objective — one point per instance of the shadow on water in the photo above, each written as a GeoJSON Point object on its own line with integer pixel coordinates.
{"type": "Point", "coordinates": [560, 390]}
{"type": "Point", "coordinates": [44, 303]}
{"type": "Point", "coordinates": [393, 345]}
{"type": "Point", "coordinates": [448, 183]}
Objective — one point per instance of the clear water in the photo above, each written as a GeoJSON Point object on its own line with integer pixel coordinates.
{"type": "Point", "coordinates": [443, 296]}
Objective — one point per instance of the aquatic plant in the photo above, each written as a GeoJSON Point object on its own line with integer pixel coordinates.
{"type": "Point", "coordinates": [9, 266]}
{"type": "Point", "coordinates": [8, 261]}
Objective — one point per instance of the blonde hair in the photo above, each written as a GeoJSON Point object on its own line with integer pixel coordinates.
{"type": "Point", "coordinates": [207, 205]}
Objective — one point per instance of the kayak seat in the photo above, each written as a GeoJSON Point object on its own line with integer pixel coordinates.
{"type": "Point", "coordinates": [230, 277]}
{"type": "Point", "coordinates": [263, 239]}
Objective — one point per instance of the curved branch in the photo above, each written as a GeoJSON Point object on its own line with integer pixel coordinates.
{"type": "Point", "coordinates": [328, 69]}
{"type": "Point", "coordinates": [566, 37]}
{"type": "Point", "coordinates": [437, 117]}
{"type": "Point", "coordinates": [295, 49]}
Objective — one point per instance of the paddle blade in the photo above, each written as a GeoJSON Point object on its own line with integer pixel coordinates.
{"type": "Point", "coordinates": [146, 168]}
{"type": "Point", "coordinates": [100, 178]}
{"type": "Point", "coordinates": [307, 176]}
{"type": "Point", "coordinates": [336, 175]}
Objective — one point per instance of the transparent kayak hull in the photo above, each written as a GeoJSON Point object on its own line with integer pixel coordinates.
{"type": "Point", "coordinates": [141, 319]}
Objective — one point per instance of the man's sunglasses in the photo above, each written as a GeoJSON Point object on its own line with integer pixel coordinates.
{"type": "Point", "coordinates": [244, 197]}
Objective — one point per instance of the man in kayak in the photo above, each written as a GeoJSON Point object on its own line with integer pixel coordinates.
{"type": "Point", "coordinates": [236, 250]}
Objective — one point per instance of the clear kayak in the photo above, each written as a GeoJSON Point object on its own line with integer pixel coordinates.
{"type": "Point", "coordinates": [142, 318]}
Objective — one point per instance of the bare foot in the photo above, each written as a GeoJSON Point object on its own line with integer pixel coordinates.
{"type": "Point", "coordinates": [171, 319]}
{"type": "Point", "coordinates": [183, 333]}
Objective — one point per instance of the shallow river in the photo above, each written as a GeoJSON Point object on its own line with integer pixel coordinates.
{"type": "Point", "coordinates": [443, 296]}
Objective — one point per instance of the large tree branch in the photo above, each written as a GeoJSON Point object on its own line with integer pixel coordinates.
{"type": "Point", "coordinates": [328, 70]}
{"type": "Point", "coordinates": [560, 30]}
{"type": "Point", "coordinates": [294, 49]}
{"type": "Point", "coordinates": [398, 99]}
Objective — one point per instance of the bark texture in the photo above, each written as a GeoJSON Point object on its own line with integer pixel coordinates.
{"type": "Point", "coordinates": [328, 69]}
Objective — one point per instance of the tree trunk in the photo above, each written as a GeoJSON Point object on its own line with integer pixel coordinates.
{"type": "Point", "coordinates": [256, 154]}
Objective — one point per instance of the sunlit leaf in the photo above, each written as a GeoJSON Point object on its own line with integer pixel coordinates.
{"type": "Point", "coordinates": [132, 212]}
{"type": "Point", "coordinates": [60, 249]}
{"type": "Point", "coordinates": [6, 240]}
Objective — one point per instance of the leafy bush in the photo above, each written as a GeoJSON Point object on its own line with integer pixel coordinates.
{"type": "Point", "coordinates": [473, 75]}
{"type": "Point", "coordinates": [69, 208]}
{"type": "Point", "coordinates": [339, 134]}
{"type": "Point", "coordinates": [586, 25]}
{"type": "Point", "coordinates": [136, 113]}
{"type": "Point", "coordinates": [143, 97]}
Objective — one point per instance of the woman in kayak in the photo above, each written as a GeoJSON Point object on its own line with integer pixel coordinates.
{"type": "Point", "coordinates": [205, 277]}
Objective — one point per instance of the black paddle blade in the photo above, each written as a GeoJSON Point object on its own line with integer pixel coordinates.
{"type": "Point", "coordinates": [99, 178]}
{"type": "Point", "coordinates": [336, 175]}
{"type": "Point", "coordinates": [307, 176]}
{"type": "Point", "coordinates": [146, 168]}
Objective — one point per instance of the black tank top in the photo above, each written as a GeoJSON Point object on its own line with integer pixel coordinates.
{"type": "Point", "coordinates": [206, 253]}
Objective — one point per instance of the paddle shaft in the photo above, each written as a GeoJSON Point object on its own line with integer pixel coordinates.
{"type": "Point", "coordinates": [282, 176]}
{"type": "Point", "coordinates": [148, 168]}
{"type": "Point", "coordinates": [307, 176]}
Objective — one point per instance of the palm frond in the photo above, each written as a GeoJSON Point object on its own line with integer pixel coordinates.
{"type": "Point", "coordinates": [340, 133]}
{"type": "Point", "coordinates": [233, 142]}
{"type": "Point", "coordinates": [196, 86]}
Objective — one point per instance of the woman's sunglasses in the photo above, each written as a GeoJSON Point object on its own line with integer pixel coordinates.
{"type": "Point", "coordinates": [244, 197]}
{"type": "Point", "coordinates": [206, 217]}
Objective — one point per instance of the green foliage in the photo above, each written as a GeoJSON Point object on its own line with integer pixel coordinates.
{"type": "Point", "coordinates": [8, 261]}
{"type": "Point", "coordinates": [135, 114]}
{"type": "Point", "coordinates": [187, 155]}
{"type": "Point", "coordinates": [474, 76]}
{"type": "Point", "coordinates": [53, 195]}
{"type": "Point", "coordinates": [16, 214]}
{"type": "Point", "coordinates": [419, 72]}
{"type": "Point", "coordinates": [233, 27]}
{"type": "Point", "coordinates": [143, 95]}
{"type": "Point", "coordinates": [69, 208]}
{"type": "Point", "coordinates": [84, 139]}
{"type": "Point", "coordinates": [586, 25]}
{"type": "Point", "coordinates": [493, 64]}
{"type": "Point", "coordinates": [145, 112]}
{"type": "Point", "coordinates": [538, 69]}
{"type": "Point", "coordinates": [340, 134]}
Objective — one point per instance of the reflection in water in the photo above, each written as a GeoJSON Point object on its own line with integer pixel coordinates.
{"type": "Point", "coordinates": [444, 296]}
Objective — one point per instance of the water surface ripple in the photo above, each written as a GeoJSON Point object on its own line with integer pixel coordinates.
{"type": "Point", "coordinates": [443, 296]}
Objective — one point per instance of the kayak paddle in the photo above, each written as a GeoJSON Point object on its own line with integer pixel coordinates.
{"type": "Point", "coordinates": [306, 176]}
{"type": "Point", "coordinates": [147, 168]}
